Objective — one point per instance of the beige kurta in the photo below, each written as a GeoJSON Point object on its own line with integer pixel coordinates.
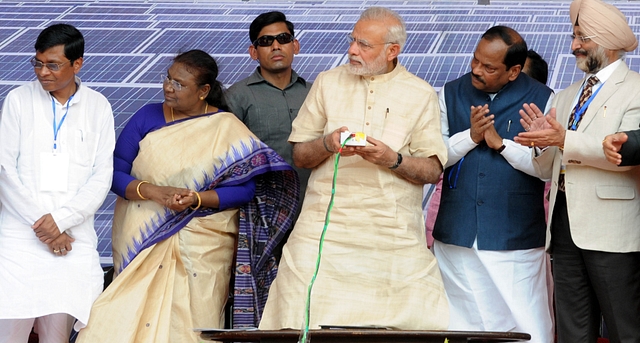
{"type": "Point", "coordinates": [375, 268]}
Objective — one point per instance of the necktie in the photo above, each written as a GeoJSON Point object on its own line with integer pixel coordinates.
{"type": "Point", "coordinates": [586, 94]}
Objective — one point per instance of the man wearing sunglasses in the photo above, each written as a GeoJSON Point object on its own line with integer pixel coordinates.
{"type": "Point", "coordinates": [56, 164]}
{"type": "Point", "coordinates": [376, 269]}
{"type": "Point", "coordinates": [269, 99]}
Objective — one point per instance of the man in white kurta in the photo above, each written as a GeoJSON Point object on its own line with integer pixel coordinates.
{"type": "Point", "coordinates": [376, 269]}
{"type": "Point", "coordinates": [50, 271]}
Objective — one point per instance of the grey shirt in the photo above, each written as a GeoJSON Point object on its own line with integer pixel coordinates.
{"type": "Point", "coordinates": [268, 112]}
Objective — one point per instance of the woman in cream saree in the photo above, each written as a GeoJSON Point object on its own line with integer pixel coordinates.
{"type": "Point", "coordinates": [173, 268]}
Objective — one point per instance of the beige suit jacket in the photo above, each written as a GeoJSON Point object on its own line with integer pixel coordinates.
{"type": "Point", "coordinates": [603, 200]}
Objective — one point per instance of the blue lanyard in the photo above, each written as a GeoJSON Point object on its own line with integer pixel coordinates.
{"type": "Point", "coordinates": [580, 111]}
{"type": "Point", "coordinates": [56, 129]}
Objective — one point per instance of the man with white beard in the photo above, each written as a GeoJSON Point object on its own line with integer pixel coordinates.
{"type": "Point", "coordinates": [376, 269]}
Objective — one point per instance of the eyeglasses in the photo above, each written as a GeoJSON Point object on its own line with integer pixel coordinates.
{"type": "Point", "coordinates": [283, 38]}
{"type": "Point", "coordinates": [582, 39]}
{"type": "Point", "coordinates": [363, 44]}
{"type": "Point", "coordinates": [51, 66]}
{"type": "Point", "coordinates": [177, 86]}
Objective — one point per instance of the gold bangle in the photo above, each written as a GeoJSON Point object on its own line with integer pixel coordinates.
{"type": "Point", "coordinates": [138, 190]}
{"type": "Point", "coordinates": [199, 202]}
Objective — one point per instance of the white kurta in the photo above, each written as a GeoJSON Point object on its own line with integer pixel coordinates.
{"type": "Point", "coordinates": [33, 281]}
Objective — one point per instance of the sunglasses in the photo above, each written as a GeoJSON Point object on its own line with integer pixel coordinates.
{"type": "Point", "coordinates": [283, 38]}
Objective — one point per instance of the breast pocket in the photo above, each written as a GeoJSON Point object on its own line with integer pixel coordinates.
{"type": "Point", "coordinates": [85, 147]}
{"type": "Point", "coordinates": [397, 132]}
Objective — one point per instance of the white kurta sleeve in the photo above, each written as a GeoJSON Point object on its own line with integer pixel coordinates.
{"type": "Point", "coordinates": [15, 197]}
{"type": "Point", "coordinates": [458, 145]}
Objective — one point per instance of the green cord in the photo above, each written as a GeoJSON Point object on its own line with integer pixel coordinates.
{"type": "Point", "coordinates": [305, 333]}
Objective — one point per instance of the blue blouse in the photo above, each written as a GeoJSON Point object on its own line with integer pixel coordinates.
{"type": "Point", "coordinates": [148, 119]}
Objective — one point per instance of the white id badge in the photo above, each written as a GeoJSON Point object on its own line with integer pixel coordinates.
{"type": "Point", "coordinates": [54, 172]}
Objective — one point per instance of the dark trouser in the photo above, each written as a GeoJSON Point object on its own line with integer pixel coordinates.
{"type": "Point", "coordinates": [589, 282]}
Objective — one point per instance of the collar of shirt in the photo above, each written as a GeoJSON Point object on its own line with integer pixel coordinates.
{"type": "Point", "coordinates": [604, 74]}
{"type": "Point", "coordinates": [76, 96]}
{"type": "Point", "coordinates": [256, 77]}
{"type": "Point", "coordinates": [382, 78]}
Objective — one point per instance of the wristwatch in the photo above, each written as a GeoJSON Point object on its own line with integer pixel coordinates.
{"type": "Point", "coordinates": [500, 149]}
{"type": "Point", "coordinates": [397, 162]}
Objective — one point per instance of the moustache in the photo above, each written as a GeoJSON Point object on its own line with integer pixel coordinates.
{"type": "Point", "coordinates": [579, 51]}
{"type": "Point", "coordinates": [478, 78]}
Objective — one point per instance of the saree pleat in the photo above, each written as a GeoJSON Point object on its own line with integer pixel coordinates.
{"type": "Point", "coordinates": [174, 268]}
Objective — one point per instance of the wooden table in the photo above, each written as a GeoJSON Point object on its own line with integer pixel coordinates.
{"type": "Point", "coordinates": [363, 335]}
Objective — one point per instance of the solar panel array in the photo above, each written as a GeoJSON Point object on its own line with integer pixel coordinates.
{"type": "Point", "coordinates": [130, 43]}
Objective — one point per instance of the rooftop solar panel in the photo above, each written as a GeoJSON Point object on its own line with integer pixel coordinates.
{"type": "Point", "coordinates": [551, 19]}
{"type": "Point", "coordinates": [195, 11]}
{"type": "Point", "coordinates": [312, 18]}
{"type": "Point", "coordinates": [492, 11]}
{"type": "Point", "coordinates": [203, 24]}
{"type": "Point", "coordinates": [86, 16]}
{"type": "Point", "coordinates": [489, 18]}
{"type": "Point", "coordinates": [25, 9]}
{"type": "Point", "coordinates": [130, 42]}
{"type": "Point", "coordinates": [200, 17]}
{"type": "Point", "coordinates": [539, 27]}
{"type": "Point", "coordinates": [323, 42]}
{"type": "Point", "coordinates": [449, 26]}
{"type": "Point", "coordinates": [255, 12]}
{"type": "Point", "coordinates": [436, 69]}
{"type": "Point", "coordinates": [16, 67]}
{"type": "Point", "coordinates": [6, 32]}
{"type": "Point", "coordinates": [457, 43]}
{"type": "Point", "coordinates": [10, 22]}
{"type": "Point", "coordinates": [323, 26]}
{"type": "Point", "coordinates": [212, 41]}
{"type": "Point", "coordinates": [421, 42]}
{"type": "Point", "coordinates": [550, 45]}
{"type": "Point", "coordinates": [98, 40]}
{"type": "Point", "coordinates": [96, 67]}
{"type": "Point", "coordinates": [335, 11]}
{"type": "Point", "coordinates": [420, 18]}
{"type": "Point", "coordinates": [84, 24]}
{"type": "Point", "coordinates": [110, 10]}
{"type": "Point", "coordinates": [27, 16]}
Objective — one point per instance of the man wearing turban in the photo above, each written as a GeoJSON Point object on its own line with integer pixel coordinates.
{"type": "Point", "coordinates": [594, 210]}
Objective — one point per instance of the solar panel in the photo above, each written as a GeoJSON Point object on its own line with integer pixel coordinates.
{"type": "Point", "coordinates": [202, 24]}
{"type": "Point", "coordinates": [212, 41]}
{"type": "Point", "coordinates": [82, 24]}
{"type": "Point", "coordinates": [457, 42]}
{"type": "Point", "coordinates": [110, 10]}
{"type": "Point", "coordinates": [436, 69]}
{"type": "Point", "coordinates": [169, 11]}
{"type": "Point", "coordinates": [100, 40]}
{"type": "Point", "coordinates": [83, 16]}
{"type": "Point", "coordinates": [129, 44]}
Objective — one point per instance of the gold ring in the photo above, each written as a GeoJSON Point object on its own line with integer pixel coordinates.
{"type": "Point", "coordinates": [56, 251]}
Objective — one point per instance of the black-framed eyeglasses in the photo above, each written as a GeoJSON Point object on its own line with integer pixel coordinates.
{"type": "Point", "coordinates": [283, 38]}
{"type": "Point", "coordinates": [51, 66]}
{"type": "Point", "coordinates": [177, 86]}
